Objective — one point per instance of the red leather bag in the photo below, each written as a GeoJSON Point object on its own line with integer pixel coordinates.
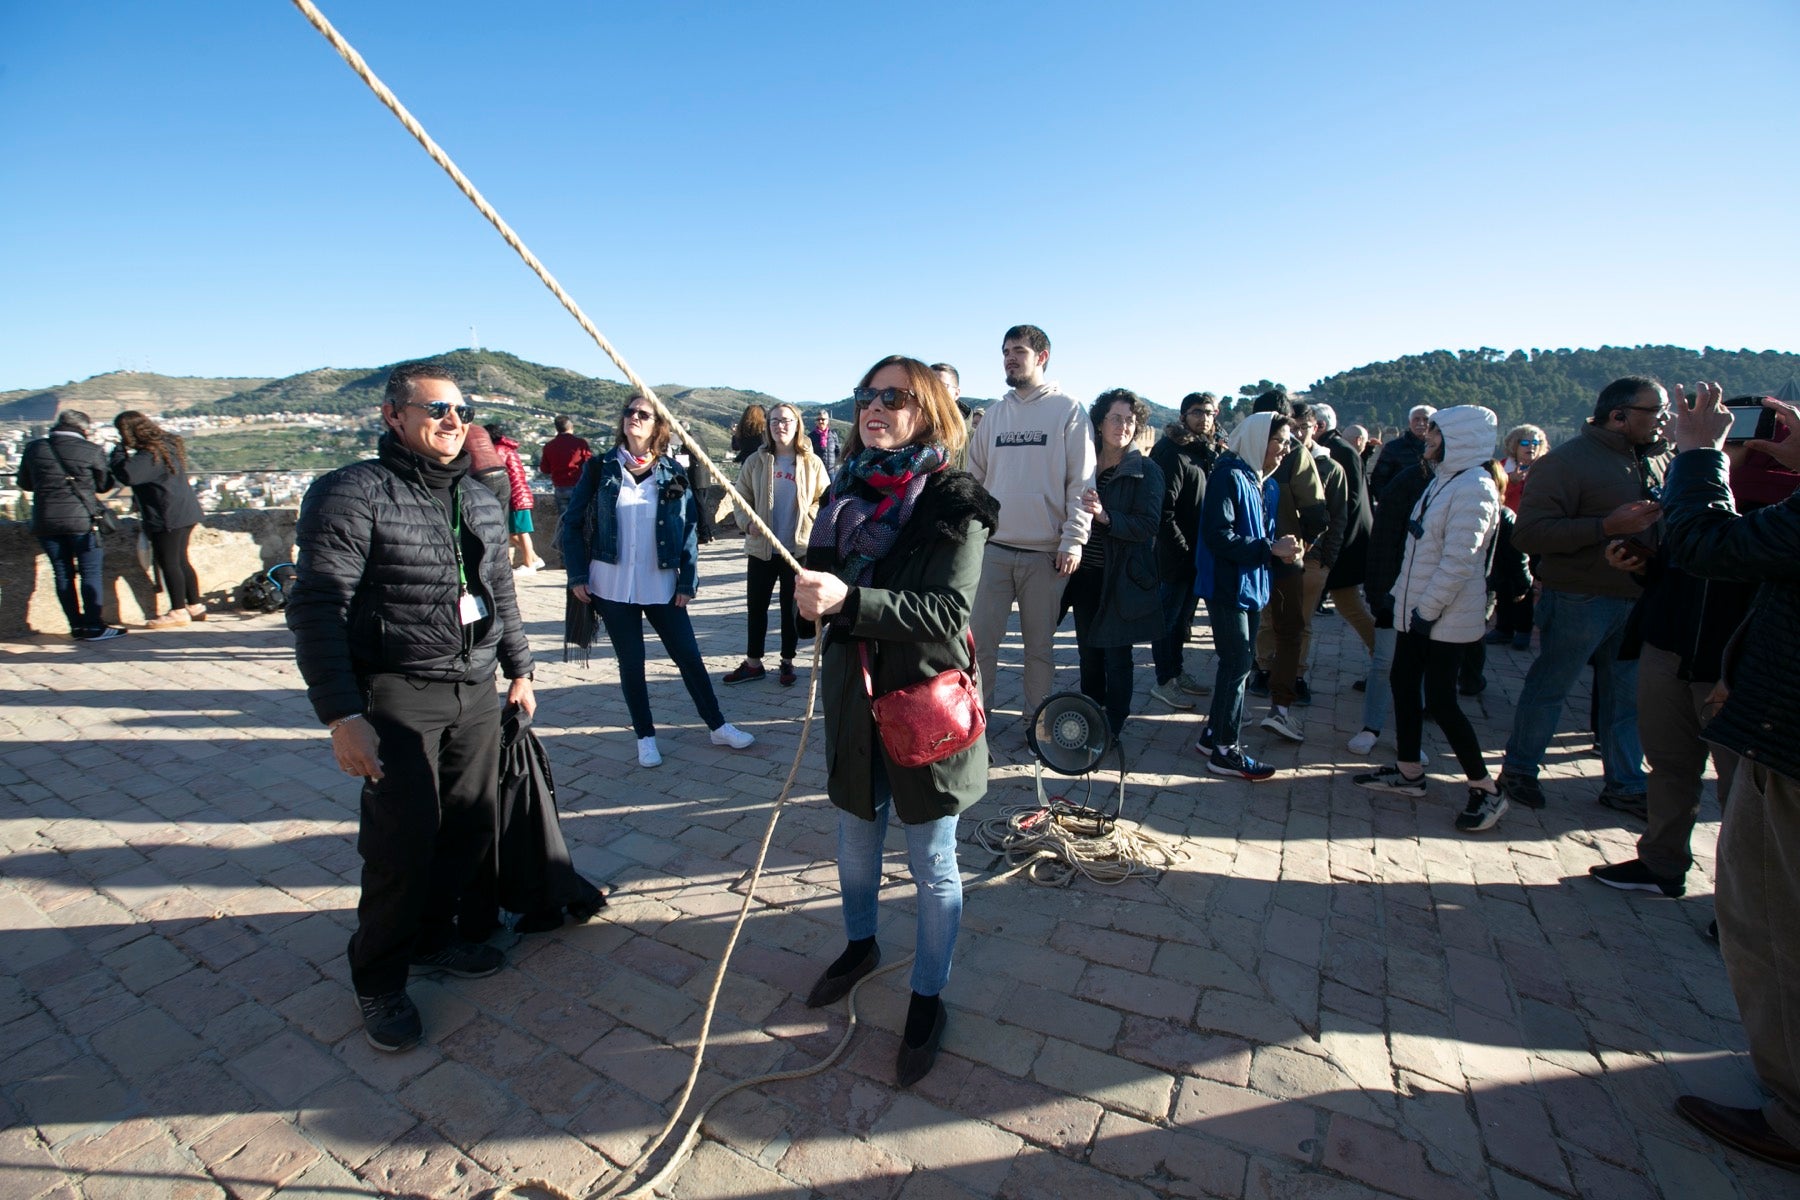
{"type": "Point", "coordinates": [927, 721]}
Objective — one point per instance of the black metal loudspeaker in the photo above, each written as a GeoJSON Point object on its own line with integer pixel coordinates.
{"type": "Point", "coordinates": [1070, 734]}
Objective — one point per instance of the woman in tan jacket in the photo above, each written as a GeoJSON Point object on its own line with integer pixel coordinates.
{"type": "Point", "coordinates": [784, 481]}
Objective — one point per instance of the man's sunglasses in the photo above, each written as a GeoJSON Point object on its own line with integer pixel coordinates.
{"type": "Point", "coordinates": [437, 410]}
{"type": "Point", "coordinates": [892, 399]}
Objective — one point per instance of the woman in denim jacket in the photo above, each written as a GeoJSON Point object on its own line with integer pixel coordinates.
{"type": "Point", "coordinates": [629, 546]}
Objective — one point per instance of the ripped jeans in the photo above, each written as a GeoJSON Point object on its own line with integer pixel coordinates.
{"type": "Point", "coordinates": [931, 852]}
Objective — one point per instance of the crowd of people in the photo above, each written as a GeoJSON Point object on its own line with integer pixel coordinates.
{"type": "Point", "coordinates": [911, 566]}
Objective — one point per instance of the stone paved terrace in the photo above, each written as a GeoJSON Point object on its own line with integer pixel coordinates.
{"type": "Point", "coordinates": [1334, 995]}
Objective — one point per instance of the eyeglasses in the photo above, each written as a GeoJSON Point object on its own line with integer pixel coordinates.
{"type": "Point", "coordinates": [640, 414]}
{"type": "Point", "coordinates": [1530, 442]}
{"type": "Point", "coordinates": [437, 410]}
{"type": "Point", "coordinates": [892, 399]}
{"type": "Point", "coordinates": [1121, 419]}
{"type": "Point", "coordinates": [1661, 411]}
{"type": "Point", "coordinates": [781, 420]}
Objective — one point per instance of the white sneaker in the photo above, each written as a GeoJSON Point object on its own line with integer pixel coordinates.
{"type": "Point", "coordinates": [1363, 742]}
{"type": "Point", "coordinates": [1286, 724]}
{"type": "Point", "coordinates": [537, 564]}
{"type": "Point", "coordinates": [648, 754]}
{"type": "Point", "coordinates": [730, 735]}
{"type": "Point", "coordinates": [530, 570]}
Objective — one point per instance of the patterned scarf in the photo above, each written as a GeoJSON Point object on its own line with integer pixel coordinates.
{"type": "Point", "coordinates": [870, 501]}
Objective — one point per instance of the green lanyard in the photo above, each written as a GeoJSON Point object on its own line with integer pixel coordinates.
{"type": "Point", "coordinates": [462, 576]}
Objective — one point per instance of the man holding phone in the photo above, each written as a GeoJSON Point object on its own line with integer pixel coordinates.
{"type": "Point", "coordinates": [1758, 891]}
{"type": "Point", "coordinates": [1586, 493]}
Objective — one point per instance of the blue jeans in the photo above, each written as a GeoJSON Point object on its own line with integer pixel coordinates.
{"type": "Point", "coordinates": [1178, 607]}
{"type": "Point", "coordinates": [625, 626]}
{"type": "Point", "coordinates": [931, 852]}
{"type": "Point", "coordinates": [75, 560]}
{"type": "Point", "coordinates": [1574, 628]}
{"type": "Point", "coordinates": [1378, 692]}
{"type": "Point", "coordinates": [1234, 640]}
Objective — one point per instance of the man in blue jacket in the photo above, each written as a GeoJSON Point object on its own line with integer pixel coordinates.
{"type": "Point", "coordinates": [1758, 889]}
{"type": "Point", "coordinates": [1231, 569]}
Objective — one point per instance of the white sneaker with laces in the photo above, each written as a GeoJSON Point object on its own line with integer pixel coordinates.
{"type": "Point", "coordinates": [1363, 742]}
{"type": "Point", "coordinates": [730, 735]}
{"type": "Point", "coordinates": [648, 754]}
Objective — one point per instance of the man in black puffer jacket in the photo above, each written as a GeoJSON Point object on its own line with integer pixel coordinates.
{"type": "Point", "coordinates": [403, 604]}
{"type": "Point", "coordinates": [1757, 896]}
{"type": "Point", "coordinates": [65, 474]}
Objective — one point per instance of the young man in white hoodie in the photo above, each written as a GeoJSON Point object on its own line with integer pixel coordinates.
{"type": "Point", "coordinates": [1034, 452]}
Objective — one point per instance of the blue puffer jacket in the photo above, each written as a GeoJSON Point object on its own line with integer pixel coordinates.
{"type": "Point", "coordinates": [590, 527]}
{"type": "Point", "coordinates": [1237, 528]}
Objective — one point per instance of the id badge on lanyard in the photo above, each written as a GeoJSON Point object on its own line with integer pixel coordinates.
{"type": "Point", "coordinates": [470, 607]}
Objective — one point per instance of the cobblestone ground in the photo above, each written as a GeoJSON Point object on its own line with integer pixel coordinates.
{"type": "Point", "coordinates": [1333, 995]}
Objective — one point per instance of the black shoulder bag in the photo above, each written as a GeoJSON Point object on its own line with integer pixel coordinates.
{"type": "Point", "coordinates": [98, 513]}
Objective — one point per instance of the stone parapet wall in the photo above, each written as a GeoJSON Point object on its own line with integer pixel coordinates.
{"type": "Point", "coordinates": [225, 549]}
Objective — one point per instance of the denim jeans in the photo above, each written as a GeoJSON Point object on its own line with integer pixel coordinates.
{"type": "Point", "coordinates": [1572, 629]}
{"type": "Point", "coordinates": [1178, 607]}
{"type": "Point", "coordinates": [1234, 640]}
{"type": "Point", "coordinates": [625, 626]}
{"type": "Point", "coordinates": [75, 561]}
{"type": "Point", "coordinates": [931, 852]}
{"type": "Point", "coordinates": [1378, 692]}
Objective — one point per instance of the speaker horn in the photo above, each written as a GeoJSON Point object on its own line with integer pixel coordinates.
{"type": "Point", "coordinates": [1071, 734]}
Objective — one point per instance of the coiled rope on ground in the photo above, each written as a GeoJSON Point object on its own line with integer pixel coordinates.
{"type": "Point", "coordinates": [1054, 845]}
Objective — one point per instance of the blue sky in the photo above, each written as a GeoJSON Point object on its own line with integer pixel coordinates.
{"type": "Point", "coordinates": [773, 195]}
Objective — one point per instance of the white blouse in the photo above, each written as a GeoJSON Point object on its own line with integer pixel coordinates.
{"type": "Point", "coordinates": [635, 578]}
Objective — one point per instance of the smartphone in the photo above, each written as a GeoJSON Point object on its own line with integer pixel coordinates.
{"type": "Point", "coordinates": [1749, 419]}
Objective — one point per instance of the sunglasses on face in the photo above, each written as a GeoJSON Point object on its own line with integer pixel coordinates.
{"type": "Point", "coordinates": [437, 410]}
{"type": "Point", "coordinates": [640, 414]}
{"type": "Point", "coordinates": [892, 399]}
{"type": "Point", "coordinates": [1529, 442]}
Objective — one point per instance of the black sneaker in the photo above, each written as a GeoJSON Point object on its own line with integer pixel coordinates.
{"type": "Point", "coordinates": [465, 960]}
{"type": "Point", "coordinates": [391, 1022]}
{"type": "Point", "coordinates": [1361, 685]}
{"type": "Point", "coordinates": [1634, 804]}
{"type": "Point", "coordinates": [1521, 790]}
{"type": "Point", "coordinates": [1259, 682]}
{"type": "Point", "coordinates": [1389, 779]}
{"type": "Point", "coordinates": [1483, 811]}
{"type": "Point", "coordinates": [1237, 764]}
{"type": "Point", "coordinates": [1204, 743]}
{"type": "Point", "coordinates": [1634, 876]}
{"type": "Point", "coordinates": [746, 671]}
{"type": "Point", "coordinates": [1302, 692]}
{"type": "Point", "coordinates": [104, 634]}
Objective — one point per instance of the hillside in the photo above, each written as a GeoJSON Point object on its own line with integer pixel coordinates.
{"type": "Point", "coordinates": [1553, 388]}
{"type": "Point", "coordinates": [105, 396]}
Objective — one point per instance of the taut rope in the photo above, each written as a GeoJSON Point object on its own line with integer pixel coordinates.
{"type": "Point", "coordinates": [383, 93]}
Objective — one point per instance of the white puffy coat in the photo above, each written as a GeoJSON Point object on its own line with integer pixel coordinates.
{"type": "Point", "coordinates": [1443, 577]}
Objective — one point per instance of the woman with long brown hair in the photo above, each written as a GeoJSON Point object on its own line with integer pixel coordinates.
{"type": "Point", "coordinates": [152, 462]}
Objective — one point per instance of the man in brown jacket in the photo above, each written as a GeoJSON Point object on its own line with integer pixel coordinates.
{"type": "Point", "coordinates": [1601, 486]}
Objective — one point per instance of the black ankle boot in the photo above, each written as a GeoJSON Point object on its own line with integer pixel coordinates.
{"type": "Point", "coordinates": [915, 1061]}
{"type": "Point", "coordinates": [843, 974]}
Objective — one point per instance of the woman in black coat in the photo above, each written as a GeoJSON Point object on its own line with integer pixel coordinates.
{"type": "Point", "coordinates": [152, 462]}
{"type": "Point", "coordinates": [892, 567]}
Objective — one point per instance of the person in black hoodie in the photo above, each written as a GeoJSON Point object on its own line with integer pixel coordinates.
{"type": "Point", "coordinates": [1186, 454]}
{"type": "Point", "coordinates": [65, 474]}
{"type": "Point", "coordinates": [152, 462]}
{"type": "Point", "coordinates": [402, 606]}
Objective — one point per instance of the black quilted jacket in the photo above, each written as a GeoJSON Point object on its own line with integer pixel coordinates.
{"type": "Point", "coordinates": [1761, 718]}
{"type": "Point", "coordinates": [58, 507]}
{"type": "Point", "coordinates": [377, 590]}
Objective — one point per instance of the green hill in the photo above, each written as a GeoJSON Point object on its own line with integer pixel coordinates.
{"type": "Point", "coordinates": [103, 397]}
{"type": "Point", "coordinates": [1553, 388]}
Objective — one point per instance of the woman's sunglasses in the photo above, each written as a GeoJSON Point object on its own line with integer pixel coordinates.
{"type": "Point", "coordinates": [437, 410]}
{"type": "Point", "coordinates": [892, 399]}
{"type": "Point", "coordinates": [640, 414]}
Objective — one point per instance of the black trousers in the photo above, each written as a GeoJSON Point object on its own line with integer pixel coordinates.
{"type": "Point", "coordinates": [760, 577]}
{"type": "Point", "coordinates": [1418, 659]}
{"type": "Point", "coordinates": [171, 550]}
{"type": "Point", "coordinates": [427, 825]}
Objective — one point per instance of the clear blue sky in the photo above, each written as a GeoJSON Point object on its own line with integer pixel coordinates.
{"type": "Point", "coordinates": [772, 196]}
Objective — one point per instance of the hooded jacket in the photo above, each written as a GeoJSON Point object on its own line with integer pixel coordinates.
{"type": "Point", "coordinates": [1237, 523]}
{"type": "Point", "coordinates": [1443, 577]}
{"type": "Point", "coordinates": [1034, 453]}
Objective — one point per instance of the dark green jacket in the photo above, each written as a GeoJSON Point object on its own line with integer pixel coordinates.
{"type": "Point", "coordinates": [913, 614]}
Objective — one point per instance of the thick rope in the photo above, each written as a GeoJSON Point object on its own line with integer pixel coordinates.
{"type": "Point", "coordinates": [1054, 844]}
{"type": "Point", "coordinates": [386, 96]}
{"type": "Point", "coordinates": [348, 53]}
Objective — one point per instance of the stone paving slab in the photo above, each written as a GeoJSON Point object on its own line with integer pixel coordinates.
{"type": "Point", "coordinates": [1331, 995]}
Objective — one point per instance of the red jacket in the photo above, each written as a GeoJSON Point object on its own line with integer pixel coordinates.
{"type": "Point", "coordinates": [563, 458]}
{"type": "Point", "coordinates": [515, 472]}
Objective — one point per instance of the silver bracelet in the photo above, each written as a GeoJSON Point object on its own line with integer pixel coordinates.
{"type": "Point", "coordinates": [333, 727]}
